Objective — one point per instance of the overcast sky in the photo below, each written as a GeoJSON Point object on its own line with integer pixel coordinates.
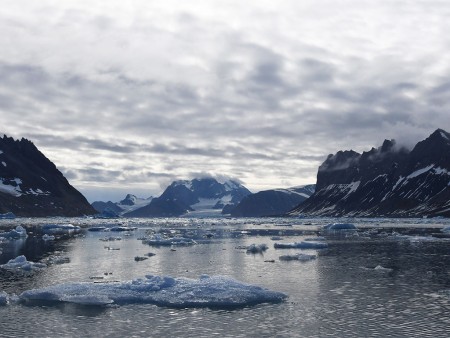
{"type": "Point", "coordinates": [125, 96]}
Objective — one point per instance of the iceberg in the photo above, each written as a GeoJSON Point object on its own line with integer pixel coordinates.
{"type": "Point", "coordinates": [301, 245]}
{"type": "Point", "coordinates": [257, 248]}
{"type": "Point", "coordinates": [207, 291]}
{"type": "Point", "coordinates": [20, 263]}
{"type": "Point", "coordinates": [17, 233]}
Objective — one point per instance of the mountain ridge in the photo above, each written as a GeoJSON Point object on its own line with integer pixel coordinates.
{"type": "Point", "coordinates": [388, 181]}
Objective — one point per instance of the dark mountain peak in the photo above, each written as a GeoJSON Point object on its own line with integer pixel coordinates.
{"type": "Point", "coordinates": [340, 161]}
{"type": "Point", "coordinates": [434, 149]}
{"type": "Point", "coordinates": [129, 200]}
{"type": "Point", "coordinates": [439, 135]}
{"type": "Point", "coordinates": [388, 145]}
{"type": "Point", "coordinates": [31, 185]}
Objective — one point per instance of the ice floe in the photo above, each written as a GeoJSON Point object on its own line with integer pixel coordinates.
{"type": "Point", "coordinates": [214, 291]}
{"type": "Point", "coordinates": [158, 240]}
{"type": "Point", "coordinates": [20, 263]}
{"type": "Point", "coordinates": [47, 237]}
{"type": "Point", "coordinates": [301, 245]}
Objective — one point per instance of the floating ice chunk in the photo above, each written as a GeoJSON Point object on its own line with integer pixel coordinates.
{"type": "Point", "coordinates": [299, 257]}
{"type": "Point", "coordinates": [257, 248]}
{"type": "Point", "coordinates": [60, 229]}
{"type": "Point", "coordinates": [340, 226]}
{"type": "Point", "coordinates": [158, 240]}
{"type": "Point", "coordinates": [46, 237]}
{"type": "Point", "coordinates": [383, 269]}
{"type": "Point", "coordinates": [4, 298]}
{"type": "Point", "coordinates": [446, 229]}
{"type": "Point", "coordinates": [8, 215]}
{"type": "Point", "coordinates": [301, 245]}
{"type": "Point", "coordinates": [20, 263]}
{"type": "Point", "coordinates": [17, 233]}
{"type": "Point", "coordinates": [215, 291]}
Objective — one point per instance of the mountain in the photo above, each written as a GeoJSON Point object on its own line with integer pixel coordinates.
{"type": "Point", "coordinates": [32, 186]}
{"type": "Point", "coordinates": [389, 181]}
{"type": "Point", "coordinates": [197, 197]}
{"type": "Point", "coordinates": [272, 202]}
{"type": "Point", "coordinates": [128, 204]}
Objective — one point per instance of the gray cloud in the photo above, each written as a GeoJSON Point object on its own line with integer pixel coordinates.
{"type": "Point", "coordinates": [257, 91]}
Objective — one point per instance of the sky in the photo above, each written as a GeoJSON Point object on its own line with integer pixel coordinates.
{"type": "Point", "coordinates": [127, 96]}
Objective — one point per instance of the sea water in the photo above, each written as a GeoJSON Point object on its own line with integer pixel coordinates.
{"type": "Point", "coordinates": [388, 278]}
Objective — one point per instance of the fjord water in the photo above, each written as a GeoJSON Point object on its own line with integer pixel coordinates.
{"type": "Point", "coordinates": [392, 281]}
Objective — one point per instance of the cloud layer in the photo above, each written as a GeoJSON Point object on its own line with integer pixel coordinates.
{"type": "Point", "coordinates": [125, 97]}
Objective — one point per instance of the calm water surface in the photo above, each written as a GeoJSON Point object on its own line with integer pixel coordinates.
{"type": "Point", "coordinates": [339, 294]}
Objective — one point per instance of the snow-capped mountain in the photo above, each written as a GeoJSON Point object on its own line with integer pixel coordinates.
{"type": "Point", "coordinates": [388, 181]}
{"type": "Point", "coordinates": [197, 197]}
{"type": "Point", "coordinates": [272, 202]}
{"type": "Point", "coordinates": [128, 204]}
{"type": "Point", "coordinates": [31, 185]}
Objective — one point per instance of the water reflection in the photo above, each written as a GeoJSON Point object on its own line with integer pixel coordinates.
{"type": "Point", "coordinates": [365, 284]}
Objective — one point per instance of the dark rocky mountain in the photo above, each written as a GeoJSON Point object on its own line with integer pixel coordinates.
{"type": "Point", "coordinates": [199, 197]}
{"type": "Point", "coordinates": [32, 186]}
{"type": "Point", "coordinates": [272, 202]}
{"type": "Point", "coordinates": [388, 181]}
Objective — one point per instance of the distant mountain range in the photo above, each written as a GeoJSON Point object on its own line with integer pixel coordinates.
{"type": "Point", "coordinates": [197, 197]}
{"type": "Point", "coordinates": [32, 186]}
{"type": "Point", "coordinates": [386, 182]}
{"type": "Point", "coordinates": [207, 197]}
{"type": "Point", "coordinates": [273, 202]}
{"type": "Point", "coordinates": [114, 209]}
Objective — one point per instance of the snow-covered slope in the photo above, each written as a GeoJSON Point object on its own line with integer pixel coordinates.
{"type": "Point", "coordinates": [388, 181]}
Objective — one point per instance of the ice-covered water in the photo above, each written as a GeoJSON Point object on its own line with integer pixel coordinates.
{"type": "Point", "coordinates": [388, 278]}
